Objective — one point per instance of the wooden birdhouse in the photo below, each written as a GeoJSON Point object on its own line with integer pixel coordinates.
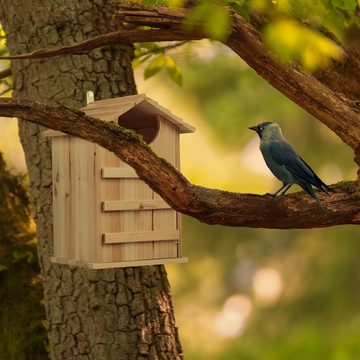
{"type": "Point", "coordinates": [104, 215]}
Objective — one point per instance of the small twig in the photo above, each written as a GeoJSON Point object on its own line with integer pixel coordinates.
{"type": "Point", "coordinates": [113, 38]}
{"type": "Point", "coordinates": [161, 49]}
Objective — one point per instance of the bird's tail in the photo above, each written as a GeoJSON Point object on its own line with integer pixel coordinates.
{"type": "Point", "coordinates": [326, 189]}
{"type": "Point", "coordinates": [317, 182]}
{"type": "Point", "coordinates": [308, 188]}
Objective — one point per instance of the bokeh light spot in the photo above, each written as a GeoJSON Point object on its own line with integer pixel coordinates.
{"type": "Point", "coordinates": [267, 285]}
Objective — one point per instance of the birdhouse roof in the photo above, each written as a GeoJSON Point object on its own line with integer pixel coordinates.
{"type": "Point", "coordinates": [112, 109]}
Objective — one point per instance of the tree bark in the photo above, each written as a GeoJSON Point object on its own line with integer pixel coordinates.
{"type": "Point", "coordinates": [92, 314]}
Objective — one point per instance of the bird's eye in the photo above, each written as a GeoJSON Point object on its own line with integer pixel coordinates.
{"type": "Point", "coordinates": [261, 128]}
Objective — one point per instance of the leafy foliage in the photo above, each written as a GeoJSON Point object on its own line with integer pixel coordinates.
{"type": "Point", "coordinates": [212, 17]}
{"type": "Point", "coordinates": [157, 58]}
{"type": "Point", "coordinates": [306, 32]}
{"type": "Point", "coordinates": [22, 315]}
{"type": "Point", "coordinates": [292, 41]}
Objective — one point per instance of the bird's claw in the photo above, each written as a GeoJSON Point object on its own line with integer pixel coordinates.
{"type": "Point", "coordinates": [271, 195]}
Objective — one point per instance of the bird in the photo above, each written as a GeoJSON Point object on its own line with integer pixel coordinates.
{"type": "Point", "coordinates": [285, 163]}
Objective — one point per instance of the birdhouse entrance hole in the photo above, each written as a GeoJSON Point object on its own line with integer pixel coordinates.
{"type": "Point", "coordinates": [147, 127]}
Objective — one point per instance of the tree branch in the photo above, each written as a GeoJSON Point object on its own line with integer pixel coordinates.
{"type": "Point", "coordinates": [337, 111]}
{"type": "Point", "coordinates": [5, 73]}
{"type": "Point", "coordinates": [113, 38]}
{"type": "Point", "coordinates": [211, 206]}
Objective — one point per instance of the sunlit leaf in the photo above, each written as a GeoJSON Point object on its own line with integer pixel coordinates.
{"type": "Point", "coordinates": [155, 66]}
{"type": "Point", "coordinates": [291, 41]}
{"type": "Point", "coordinates": [347, 5]}
{"type": "Point", "coordinates": [240, 6]}
{"type": "Point", "coordinates": [139, 60]}
{"type": "Point", "coordinates": [212, 17]}
{"type": "Point", "coordinates": [173, 70]}
{"type": "Point", "coordinates": [259, 5]}
{"type": "Point", "coordinates": [218, 23]}
{"type": "Point", "coordinates": [145, 48]}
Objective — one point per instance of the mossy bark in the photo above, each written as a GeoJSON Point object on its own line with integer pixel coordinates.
{"type": "Point", "coordinates": [92, 314]}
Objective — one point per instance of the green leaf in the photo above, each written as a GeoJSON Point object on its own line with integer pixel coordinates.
{"type": "Point", "coordinates": [241, 7]}
{"type": "Point", "coordinates": [139, 60]}
{"type": "Point", "coordinates": [213, 18]}
{"type": "Point", "coordinates": [155, 66]}
{"type": "Point", "coordinates": [145, 48]}
{"type": "Point", "coordinates": [347, 5]}
{"type": "Point", "coordinates": [218, 22]}
{"type": "Point", "coordinates": [173, 70]}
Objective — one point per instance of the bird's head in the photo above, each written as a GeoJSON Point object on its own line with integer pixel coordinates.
{"type": "Point", "coordinates": [267, 130]}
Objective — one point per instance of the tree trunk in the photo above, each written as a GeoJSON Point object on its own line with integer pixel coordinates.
{"type": "Point", "coordinates": [92, 314]}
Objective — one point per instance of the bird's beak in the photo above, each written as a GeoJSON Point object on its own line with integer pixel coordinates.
{"type": "Point", "coordinates": [255, 128]}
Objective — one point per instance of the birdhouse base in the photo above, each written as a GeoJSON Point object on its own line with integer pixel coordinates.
{"type": "Point", "coordinates": [120, 264]}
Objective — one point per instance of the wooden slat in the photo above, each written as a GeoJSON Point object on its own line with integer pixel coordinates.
{"type": "Point", "coordinates": [112, 189]}
{"type": "Point", "coordinates": [110, 265]}
{"type": "Point", "coordinates": [141, 236]}
{"type": "Point", "coordinates": [61, 196]}
{"type": "Point", "coordinates": [125, 172]}
{"type": "Point", "coordinates": [98, 251]}
{"type": "Point", "coordinates": [122, 205]}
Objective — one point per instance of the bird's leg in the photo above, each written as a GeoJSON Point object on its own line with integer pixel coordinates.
{"type": "Point", "coordinates": [286, 189]}
{"type": "Point", "coordinates": [308, 188]}
{"type": "Point", "coordinates": [274, 195]}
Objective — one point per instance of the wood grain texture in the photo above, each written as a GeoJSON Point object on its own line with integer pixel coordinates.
{"type": "Point", "coordinates": [121, 264]}
{"type": "Point", "coordinates": [165, 146]}
{"type": "Point", "coordinates": [118, 172]}
{"type": "Point", "coordinates": [140, 205]}
{"type": "Point", "coordinates": [141, 236]}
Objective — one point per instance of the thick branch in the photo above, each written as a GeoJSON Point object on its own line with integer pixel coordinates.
{"type": "Point", "coordinates": [207, 205]}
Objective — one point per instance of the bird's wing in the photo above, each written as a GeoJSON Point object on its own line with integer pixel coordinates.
{"type": "Point", "coordinates": [319, 183]}
{"type": "Point", "coordinates": [284, 154]}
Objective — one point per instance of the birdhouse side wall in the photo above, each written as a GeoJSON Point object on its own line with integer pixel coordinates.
{"type": "Point", "coordinates": [166, 145]}
{"type": "Point", "coordinates": [74, 191]}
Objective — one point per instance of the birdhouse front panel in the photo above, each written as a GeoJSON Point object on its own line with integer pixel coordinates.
{"type": "Point", "coordinates": [104, 215]}
{"type": "Point", "coordinates": [139, 224]}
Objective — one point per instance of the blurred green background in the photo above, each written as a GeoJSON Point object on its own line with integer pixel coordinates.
{"type": "Point", "coordinates": [251, 293]}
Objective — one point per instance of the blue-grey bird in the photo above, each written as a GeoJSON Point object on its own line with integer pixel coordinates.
{"type": "Point", "coordinates": [285, 163]}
